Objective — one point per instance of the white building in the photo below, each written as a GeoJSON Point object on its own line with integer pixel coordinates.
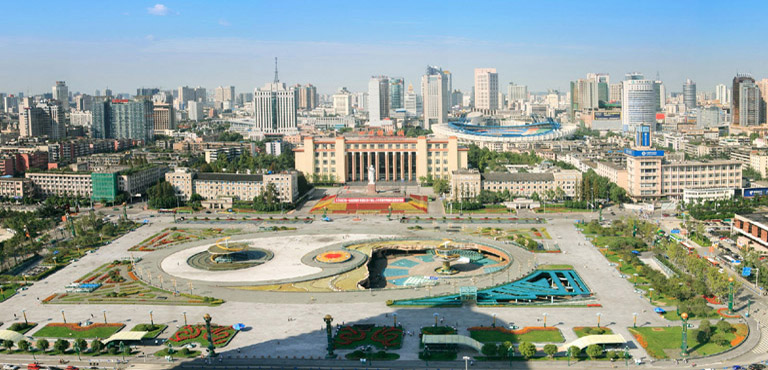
{"type": "Point", "coordinates": [342, 102]}
{"type": "Point", "coordinates": [61, 93]}
{"type": "Point", "coordinates": [378, 99]}
{"type": "Point", "coordinates": [411, 102]}
{"type": "Point", "coordinates": [486, 89]}
{"type": "Point", "coordinates": [638, 104]}
{"type": "Point", "coordinates": [195, 110]}
{"type": "Point", "coordinates": [224, 97]}
{"type": "Point", "coordinates": [723, 94]}
{"type": "Point", "coordinates": [434, 89]}
{"type": "Point", "coordinates": [78, 118]}
{"type": "Point", "coordinates": [749, 104]}
{"type": "Point", "coordinates": [274, 148]}
{"type": "Point", "coordinates": [274, 108]}
{"type": "Point", "coordinates": [516, 93]}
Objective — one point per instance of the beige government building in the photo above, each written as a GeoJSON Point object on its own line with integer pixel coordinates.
{"type": "Point", "coordinates": [212, 186]}
{"type": "Point", "coordinates": [394, 159]}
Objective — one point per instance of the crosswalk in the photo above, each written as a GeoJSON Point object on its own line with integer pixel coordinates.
{"type": "Point", "coordinates": [762, 346]}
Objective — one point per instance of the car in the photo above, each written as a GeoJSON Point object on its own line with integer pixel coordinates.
{"type": "Point", "coordinates": [756, 366]}
{"type": "Point", "coordinates": [10, 367]}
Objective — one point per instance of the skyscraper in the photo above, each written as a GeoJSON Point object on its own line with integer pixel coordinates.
{"type": "Point", "coordinates": [224, 97]}
{"type": "Point", "coordinates": [486, 90]}
{"type": "Point", "coordinates": [434, 90]}
{"type": "Point", "coordinates": [736, 101]}
{"type": "Point", "coordinates": [307, 96]}
{"type": "Point", "coordinates": [44, 119]}
{"type": "Point", "coordinates": [274, 107]}
{"type": "Point", "coordinates": [516, 92]}
{"type": "Point", "coordinates": [123, 119]}
{"type": "Point", "coordinates": [378, 99]}
{"type": "Point", "coordinates": [723, 94]}
{"type": "Point", "coordinates": [61, 93]}
{"type": "Point", "coordinates": [602, 81]}
{"type": "Point", "coordinates": [689, 95]}
{"type": "Point", "coordinates": [661, 94]}
{"type": "Point", "coordinates": [396, 93]}
{"type": "Point", "coordinates": [186, 94]}
{"type": "Point", "coordinates": [638, 102]}
{"type": "Point", "coordinates": [411, 102]}
{"type": "Point", "coordinates": [342, 102]}
{"type": "Point", "coordinates": [749, 104]}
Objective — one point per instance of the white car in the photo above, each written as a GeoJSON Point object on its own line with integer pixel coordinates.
{"type": "Point", "coordinates": [10, 367]}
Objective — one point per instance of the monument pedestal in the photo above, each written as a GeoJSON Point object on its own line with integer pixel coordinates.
{"type": "Point", "coordinates": [371, 189]}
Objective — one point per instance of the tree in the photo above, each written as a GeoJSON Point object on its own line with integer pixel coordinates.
{"type": "Point", "coordinates": [441, 186]}
{"type": "Point", "coordinates": [704, 332]}
{"type": "Point", "coordinates": [82, 344]}
{"type": "Point", "coordinates": [489, 349]}
{"type": "Point", "coordinates": [535, 196]}
{"type": "Point", "coordinates": [720, 338]}
{"type": "Point", "coordinates": [504, 349]}
{"type": "Point", "coordinates": [97, 346]}
{"type": "Point", "coordinates": [23, 345]}
{"type": "Point", "coordinates": [42, 344]}
{"type": "Point", "coordinates": [61, 345]}
{"type": "Point", "coordinates": [594, 351]}
{"type": "Point", "coordinates": [162, 195]}
{"type": "Point", "coordinates": [723, 327]}
{"type": "Point", "coordinates": [527, 349]}
{"type": "Point", "coordinates": [8, 344]}
{"type": "Point", "coordinates": [574, 351]}
{"type": "Point", "coordinates": [268, 200]}
{"type": "Point", "coordinates": [550, 350]}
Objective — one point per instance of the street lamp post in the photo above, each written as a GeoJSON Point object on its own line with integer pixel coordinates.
{"type": "Point", "coordinates": [104, 312]}
{"type": "Point", "coordinates": [635, 283]}
{"type": "Point", "coordinates": [598, 319]}
{"type": "Point", "coordinates": [329, 333]}
{"type": "Point", "coordinates": [63, 317]}
{"type": "Point", "coordinates": [185, 317]}
{"type": "Point", "coordinates": [684, 344]}
{"type": "Point", "coordinates": [212, 352]}
{"type": "Point", "coordinates": [436, 315]}
{"type": "Point", "coordinates": [152, 319]}
{"type": "Point", "coordinates": [730, 295]}
{"type": "Point", "coordinates": [394, 320]}
{"type": "Point", "coordinates": [545, 319]}
{"type": "Point", "coordinates": [24, 313]}
{"type": "Point", "coordinates": [634, 320]}
{"type": "Point", "coordinates": [650, 295]}
{"type": "Point", "coordinates": [494, 321]}
{"type": "Point", "coordinates": [466, 362]}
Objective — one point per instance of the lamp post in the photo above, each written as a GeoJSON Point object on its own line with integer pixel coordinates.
{"type": "Point", "coordinates": [152, 320]}
{"type": "Point", "coordinates": [634, 320]}
{"type": "Point", "coordinates": [545, 319]}
{"type": "Point", "coordinates": [394, 320]}
{"type": "Point", "coordinates": [63, 317]}
{"type": "Point", "coordinates": [104, 312]}
{"type": "Point", "coordinates": [24, 313]}
{"type": "Point", "coordinates": [684, 345]}
{"type": "Point", "coordinates": [730, 295]}
{"type": "Point", "coordinates": [436, 315]}
{"type": "Point", "coordinates": [466, 362]}
{"type": "Point", "coordinates": [185, 317]}
{"type": "Point", "coordinates": [626, 356]}
{"type": "Point", "coordinates": [598, 319]}
{"type": "Point", "coordinates": [650, 295]}
{"type": "Point", "coordinates": [211, 351]}
{"type": "Point", "coordinates": [494, 321]}
{"type": "Point", "coordinates": [635, 282]}
{"type": "Point", "coordinates": [329, 333]}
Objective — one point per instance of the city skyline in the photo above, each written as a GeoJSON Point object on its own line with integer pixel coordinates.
{"type": "Point", "coordinates": [174, 43]}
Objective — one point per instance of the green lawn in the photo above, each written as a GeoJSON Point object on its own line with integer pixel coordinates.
{"type": "Point", "coordinates": [535, 336]}
{"type": "Point", "coordinates": [9, 290]}
{"type": "Point", "coordinates": [555, 267]}
{"type": "Point", "coordinates": [664, 342]}
{"type": "Point", "coordinates": [154, 331]}
{"type": "Point", "coordinates": [103, 332]}
{"type": "Point", "coordinates": [583, 331]}
{"type": "Point", "coordinates": [711, 314]}
{"type": "Point", "coordinates": [177, 353]}
{"type": "Point", "coordinates": [21, 327]}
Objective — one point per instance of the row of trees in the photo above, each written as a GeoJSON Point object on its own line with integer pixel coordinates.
{"type": "Point", "coordinates": [527, 350]}
{"type": "Point", "coordinates": [488, 160]}
{"type": "Point", "coordinates": [594, 188]}
{"type": "Point", "coordinates": [62, 345]}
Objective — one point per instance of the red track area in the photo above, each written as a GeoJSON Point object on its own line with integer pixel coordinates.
{"type": "Point", "coordinates": [412, 204]}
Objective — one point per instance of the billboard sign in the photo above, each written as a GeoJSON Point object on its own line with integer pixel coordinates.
{"type": "Point", "coordinates": [644, 153]}
{"type": "Point", "coordinates": [607, 115]}
{"type": "Point", "coordinates": [755, 192]}
{"type": "Point", "coordinates": [369, 200]}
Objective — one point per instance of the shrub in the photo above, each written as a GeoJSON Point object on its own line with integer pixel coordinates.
{"type": "Point", "coordinates": [489, 349]}
{"type": "Point", "coordinates": [550, 350]}
{"type": "Point", "coordinates": [594, 351]}
{"type": "Point", "coordinates": [527, 349]}
{"type": "Point", "coordinates": [724, 327]}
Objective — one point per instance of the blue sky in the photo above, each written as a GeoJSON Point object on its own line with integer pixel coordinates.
{"type": "Point", "coordinates": [544, 44]}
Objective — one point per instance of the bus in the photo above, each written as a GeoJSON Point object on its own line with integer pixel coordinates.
{"type": "Point", "coordinates": [163, 210]}
{"type": "Point", "coordinates": [731, 260]}
{"type": "Point", "coordinates": [713, 261]}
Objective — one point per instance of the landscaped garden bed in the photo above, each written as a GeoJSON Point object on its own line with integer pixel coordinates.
{"type": "Point", "coordinates": [490, 334]}
{"type": "Point", "coordinates": [222, 335]}
{"type": "Point", "coordinates": [382, 337]}
{"type": "Point", "coordinates": [665, 342]}
{"type": "Point", "coordinates": [174, 235]}
{"type": "Point", "coordinates": [583, 331]}
{"type": "Point", "coordinates": [62, 330]}
{"type": "Point", "coordinates": [153, 330]}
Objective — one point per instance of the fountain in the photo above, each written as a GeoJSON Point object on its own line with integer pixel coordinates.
{"type": "Point", "coordinates": [444, 255]}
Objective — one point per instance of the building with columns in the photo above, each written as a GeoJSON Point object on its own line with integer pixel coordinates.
{"type": "Point", "coordinates": [394, 159]}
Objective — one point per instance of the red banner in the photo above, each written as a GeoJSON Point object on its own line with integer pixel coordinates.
{"type": "Point", "coordinates": [369, 200]}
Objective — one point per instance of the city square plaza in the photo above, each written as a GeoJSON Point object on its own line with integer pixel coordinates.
{"type": "Point", "coordinates": [327, 268]}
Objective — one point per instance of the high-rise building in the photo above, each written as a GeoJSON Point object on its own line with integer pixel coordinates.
{"type": "Point", "coordinates": [516, 92]}
{"type": "Point", "coordinates": [749, 104]}
{"type": "Point", "coordinates": [123, 119]}
{"type": "Point", "coordinates": [584, 95]}
{"type": "Point", "coordinates": [434, 90]}
{"type": "Point", "coordinates": [108, 92]}
{"type": "Point", "coordinates": [615, 93]}
{"type": "Point", "coordinates": [723, 94]}
{"type": "Point", "coordinates": [200, 95]}
{"type": "Point", "coordinates": [61, 94]}
{"type": "Point", "coordinates": [378, 99]}
{"type": "Point", "coordinates": [602, 82]}
{"type": "Point", "coordinates": [342, 102]}
{"type": "Point", "coordinates": [10, 104]}
{"type": "Point", "coordinates": [44, 119]}
{"type": "Point", "coordinates": [736, 101]}
{"type": "Point", "coordinates": [83, 102]}
{"type": "Point", "coordinates": [411, 102]}
{"type": "Point", "coordinates": [360, 101]}
{"type": "Point", "coordinates": [274, 108]}
{"type": "Point", "coordinates": [661, 94]}
{"type": "Point", "coordinates": [763, 86]}
{"type": "Point", "coordinates": [147, 91]}
{"type": "Point", "coordinates": [457, 98]}
{"type": "Point", "coordinates": [195, 110]}
{"type": "Point", "coordinates": [164, 117]}
{"type": "Point", "coordinates": [689, 95]}
{"type": "Point", "coordinates": [449, 77]}
{"type": "Point", "coordinates": [638, 104]}
{"type": "Point", "coordinates": [224, 97]}
{"type": "Point", "coordinates": [486, 90]}
{"type": "Point", "coordinates": [307, 96]}
{"type": "Point", "coordinates": [396, 93]}
{"type": "Point", "coordinates": [186, 94]}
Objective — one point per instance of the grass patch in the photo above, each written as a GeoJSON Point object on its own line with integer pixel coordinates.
{"type": "Point", "coordinates": [379, 356]}
{"type": "Point", "coordinates": [75, 331]}
{"type": "Point", "coordinates": [9, 290]}
{"type": "Point", "coordinates": [383, 337]}
{"type": "Point", "coordinates": [665, 342]}
{"type": "Point", "coordinates": [555, 267]}
{"type": "Point", "coordinates": [21, 327]}
{"type": "Point", "coordinates": [181, 353]}
{"type": "Point", "coordinates": [154, 330]}
{"type": "Point", "coordinates": [583, 331]}
{"type": "Point", "coordinates": [528, 334]}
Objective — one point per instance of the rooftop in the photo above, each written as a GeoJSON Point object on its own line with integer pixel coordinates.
{"type": "Point", "coordinates": [506, 176]}
{"type": "Point", "coordinates": [229, 177]}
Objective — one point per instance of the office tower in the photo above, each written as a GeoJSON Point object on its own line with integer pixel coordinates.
{"type": "Point", "coordinates": [274, 107]}
{"type": "Point", "coordinates": [457, 98]}
{"type": "Point", "coordinates": [584, 95]}
{"type": "Point", "coordinates": [200, 95]}
{"type": "Point", "coordinates": [689, 95]}
{"type": "Point", "coordinates": [44, 119]}
{"type": "Point", "coordinates": [11, 104]}
{"type": "Point", "coordinates": [123, 119]}
{"type": "Point", "coordinates": [639, 99]}
{"type": "Point", "coordinates": [307, 96]}
{"type": "Point", "coordinates": [516, 93]}
{"type": "Point", "coordinates": [749, 104]}
{"type": "Point", "coordinates": [186, 94]}
{"type": "Point", "coordinates": [486, 90]}
{"type": "Point", "coordinates": [614, 94]}
{"type": "Point", "coordinates": [61, 93]}
{"type": "Point", "coordinates": [723, 94]}
{"type": "Point", "coordinates": [449, 77]}
{"type": "Point", "coordinates": [147, 91]}
{"type": "Point", "coordinates": [224, 97]}
{"type": "Point", "coordinates": [378, 98]}
{"type": "Point", "coordinates": [195, 110]}
{"type": "Point", "coordinates": [736, 100]}
{"type": "Point", "coordinates": [602, 81]}
{"type": "Point", "coordinates": [434, 91]}
{"type": "Point", "coordinates": [163, 116]}
{"type": "Point", "coordinates": [83, 102]}
{"type": "Point", "coordinates": [342, 102]}
{"type": "Point", "coordinates": [396, 93]}
{"type": "Point", "coordinates": [411, 102]}
{"type": "Point", "coordinates": [108, 92]}
{"type": "Point", "coordinates": [661, 94]}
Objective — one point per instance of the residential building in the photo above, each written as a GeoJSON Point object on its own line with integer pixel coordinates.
{"type": "Point", "coordinates": [745, 101]}
{"type": "Point", "coordinates": [378, 99]}
{"type": "Point", "coordinates": [516, 93]}
{"type": "Point", "coordinates": [45, 119]}
{"type": "Point", "coordinates": [616, 92]}
{"type": "Point", "coordinates": [61, 183]}
{"type": "Point", "coordinates": [467, 183]}
{"type": "Point", "coordinates": [486, 90]}
{"type": "Point", "coordinates": [307, 96]}
{"type": "Point", "coordinates": [240, 186]}
{"type": "Point", "coordinates": [15, 187]}
{"type": "Point", "coordinates": [195, 111]}
{"type": "Point", "coordinates": [393, 158]}
{"type": "Point", "coordinates": [615, 172]}
{"type": "Point", "coordinates": [752, 230]}
{"type": "Point", "coordinates": [61, 94]}
{"type": "Point", "coordinates": [274, 148]}
{"type": "Point", "coordinates": [723, 95]}
{"type": "Point", "coordinates": [123, 119]}
{"type": "Point", "coordinates": [436, 95]}
{"type": "Point", "coordinates": [213, 154]}
{"type": "Point", "coordinates": [412, 102]}
{"type": "Point", "coordinates": [224, 97]}
{"type": "Point", "coordinates": [147, 91]}
{"type": "Point", "coordinates": [342, 102]}
{"type": "Point", "coordinates": [164, 117]}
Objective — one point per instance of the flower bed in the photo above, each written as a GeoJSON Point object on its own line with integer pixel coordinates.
{"type": "Point", "coordinates": [360, 335]}
{"type": "Point", "coordinates": [222, 335]}
{"type": "Point", "coordinates": [49, 298]}
{"type": "Point", "coordinates": [712, 300]}
{"type": "Point", "coordinates": [723, 311]}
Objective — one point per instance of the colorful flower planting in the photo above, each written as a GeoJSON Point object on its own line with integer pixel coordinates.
{"type": "Point", "coordinates": [174, 236]}
{"type": "Point", "coordinates": [723, 311]}
{"type": "Point", "coordinates": [333, 257]}
{"type": "Point", "coordinates": [382, 337]}
{"type": "Point", "coordinates": [222, 335]}
{"type": "Point", "coordinates": [68, 330]}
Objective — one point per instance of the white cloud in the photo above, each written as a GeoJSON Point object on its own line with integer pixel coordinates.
{"type": "Point", "coordinates": [224, 22]}
{"type": "Point", "coordinates": [149, 37]}
{"type": "Point", "coordinates": [158, 9]}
